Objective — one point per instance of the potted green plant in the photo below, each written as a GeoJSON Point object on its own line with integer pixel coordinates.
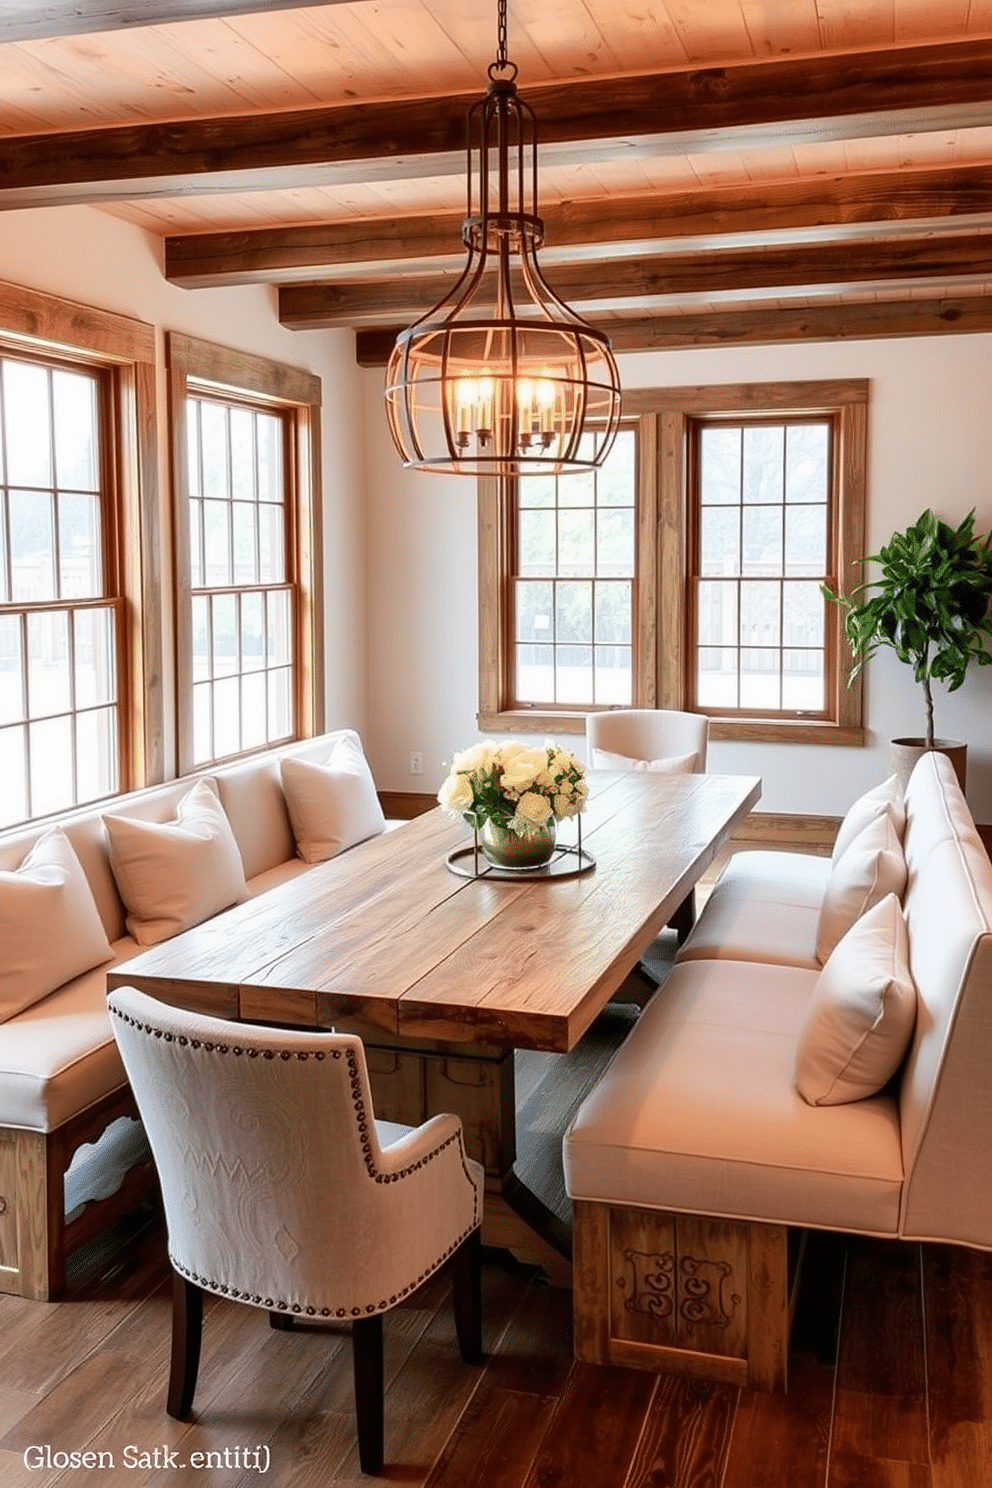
{"type": "Point", "coordinates": [931, 605]}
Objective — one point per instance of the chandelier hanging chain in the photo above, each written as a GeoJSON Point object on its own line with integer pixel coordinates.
{"type": "Point", "coordinates": [501, 64]}
{"type": "Point", "coordinates": [502, 377]}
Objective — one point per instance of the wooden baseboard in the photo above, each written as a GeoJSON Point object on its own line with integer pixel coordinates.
{"type": "Point", "coordinates": [788, 832]}
{"type": "Point", "coordinates": [406, 804]}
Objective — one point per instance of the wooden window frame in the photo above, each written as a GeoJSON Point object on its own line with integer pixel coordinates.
{"type": "Point", "coordinates": [194, 367]}
{"type": "Point", "coordinates": [121, 351]}
{"type": "Point", "coordinates": [661, 593]}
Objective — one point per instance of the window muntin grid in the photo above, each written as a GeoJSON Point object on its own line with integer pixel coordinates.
{"type": "Point", "coordinates": [60, 614]}
{"type": "Point", "coordinates": [242, 593]}
{"type": "Point", "coordinates": [762, 545]}
{"type": "Point", "coordinates": [573, 584]}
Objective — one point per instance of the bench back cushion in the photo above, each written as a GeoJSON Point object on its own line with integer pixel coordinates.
{"type": "Point", "coordinates": [946, 1091]}
{"type": "Point", "coordinates": [50, 930]}
{"type": "Point", "coordinates": [250, 792]}
{"type": "Point", "coordinates": [253, 797]}
{"type": "Point", "coordinates": [85, 830]}
{"type": "Point", "coordinates": [172, 875]}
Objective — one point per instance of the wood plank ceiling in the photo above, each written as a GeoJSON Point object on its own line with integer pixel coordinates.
{"type": "Point", "coordinates": [712, 171]}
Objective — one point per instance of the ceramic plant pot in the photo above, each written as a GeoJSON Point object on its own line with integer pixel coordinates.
{"type": "Point", "coordinates": [905, 752]}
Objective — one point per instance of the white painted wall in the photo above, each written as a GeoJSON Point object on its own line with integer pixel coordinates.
{"type": "Point", "coordinates": [930, 444]}
{"type": "Point", "coordinates": [84, 254]}
{"type": "Point", "coordinates": [400, 548]}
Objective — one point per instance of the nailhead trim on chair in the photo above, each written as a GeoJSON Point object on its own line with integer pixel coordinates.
{"type": "Point", "coordinates": [272, 1304]}
{"type": "Point", "coordinates": [308, 1310]}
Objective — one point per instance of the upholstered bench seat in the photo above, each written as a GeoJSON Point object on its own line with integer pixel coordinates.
{"type": "Point", "coordinates": [698, 1112]}
{"type": "Point", "coordinates": [792, 1073]}
{"type": "Point", "coordinates": [762, 909]}
{"type": "Point", "coordinates": [59, 1056]}
{"type": "Point", "coordinates": [777, 877]}
{"type": "Point", "coordinates": [62, 1083]}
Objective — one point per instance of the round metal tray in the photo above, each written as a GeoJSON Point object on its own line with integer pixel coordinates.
{"type": "Point", "coordinates": [567, 862]}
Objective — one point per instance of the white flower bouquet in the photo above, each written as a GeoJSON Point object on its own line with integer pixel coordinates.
{"type": "Point", "coordinates": [515, 786]}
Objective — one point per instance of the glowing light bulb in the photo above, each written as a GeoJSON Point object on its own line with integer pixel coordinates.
{"type": "Point", "coordinates": [466, 394]}
{"type": "Point", "coordinates": [546, 407]}
{"type": "Point", "coordinates": [525, 402]}
{"type": "Point", "coordinates": [484, 416]}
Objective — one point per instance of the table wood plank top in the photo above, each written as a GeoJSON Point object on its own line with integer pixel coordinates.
{"type": "Point", "coordinates": [386, 935]}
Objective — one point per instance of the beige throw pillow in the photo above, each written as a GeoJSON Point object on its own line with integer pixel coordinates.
{"type": "Point", "coordinates": [871, 867]}
{"type": "Point", "coordinates": [671, 764]}
{"type": "Point", "coordinates": [861, 1014]}
{"type": "Point", "coordinates": [331, 805]}
{"type": "Point", "coordinates": [172, 875]}
{"type": "Point", "coordinates": [50, 927]}
{"type": "Point", "coordinates": [885, 797]}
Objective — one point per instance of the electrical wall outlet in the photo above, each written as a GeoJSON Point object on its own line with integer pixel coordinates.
{"type": "Point", "coordinates": [416, 762]}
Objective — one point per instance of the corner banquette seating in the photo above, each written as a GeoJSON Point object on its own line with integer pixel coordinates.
{"type": "Point", "coordinates": [62, 1083]}
{"type": "Point", "coordinates": [696, 1165]}
{"type": "Point", "coordinates": [324, 1214]}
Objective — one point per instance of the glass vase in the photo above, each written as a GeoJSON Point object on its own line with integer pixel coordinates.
{"type": "Point", "coordinates": [508, 849]}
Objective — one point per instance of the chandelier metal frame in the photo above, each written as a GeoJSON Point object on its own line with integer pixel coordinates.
{"type": "Point", "coordinates": [502, 377]}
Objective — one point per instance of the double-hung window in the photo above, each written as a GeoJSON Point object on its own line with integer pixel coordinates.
{"type": "Point", "coordinates": [572, 585]}
{"type": "Point", "coordinates": [242, 594]}
{"type": "Point", "coordinates": [60, 633]}
{"type": "Point", "coordinates": [76, 387]}
{"type": "Point", "coordinates": [245, 433]}
{"type": "Point", "coordinates": [761, 509]}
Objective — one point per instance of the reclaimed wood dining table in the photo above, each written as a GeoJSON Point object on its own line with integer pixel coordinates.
{"type": "Point", "coordinates": [444, 975]}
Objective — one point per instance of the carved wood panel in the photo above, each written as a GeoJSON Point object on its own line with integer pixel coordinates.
{"type": "Point", "coordinates": [678, 1281]}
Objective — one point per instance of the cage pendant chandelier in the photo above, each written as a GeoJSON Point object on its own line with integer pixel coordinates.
{"type": "Point", "coordinates": [502, 377]}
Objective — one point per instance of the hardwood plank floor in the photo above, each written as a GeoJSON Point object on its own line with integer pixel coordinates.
{"type": "Point", "coordinates": [906, 1401]}
{"type": "Point", "coordinates": [890, 1372]}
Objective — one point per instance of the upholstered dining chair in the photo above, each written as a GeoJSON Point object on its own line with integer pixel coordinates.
{"type": "Point", "coordinates": [662, 739]}
{"type": "Point", "coordinates": [282, 1191]}
{"type": "Point", "coordinates": [658, 735]}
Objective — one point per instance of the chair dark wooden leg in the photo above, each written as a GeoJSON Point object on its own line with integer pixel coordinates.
{"type": "Point", "coordinates": [366, 1343]}
{"type": "Point", "coordinates": [281, 1320]}
{"type": "Point", "coordinates": [466, 1271]}
{"type": "Point", "coordinates": [187, 1330]}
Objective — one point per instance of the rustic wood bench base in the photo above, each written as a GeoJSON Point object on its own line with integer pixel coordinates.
{"type": "Point", "coordinates": [683, 1293]}
{"type": "Point", "coordinates": [34, 1236]}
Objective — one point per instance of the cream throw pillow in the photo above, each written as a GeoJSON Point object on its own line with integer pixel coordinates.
{"type": "Point", "coordinates": [861, 1014]}
{"type": "Point", "coordinates": [331, 805]}
{"type": "Point", "coordinates": [871, 867]}
{"type": "Point", "coordinates": [50, 927]}
{"type": "Point", "coordinates": [885, 797]}
{"type": "Point", "coordinates": [671, 764]}
{"type": "Point", "coordinates": [172, 875]}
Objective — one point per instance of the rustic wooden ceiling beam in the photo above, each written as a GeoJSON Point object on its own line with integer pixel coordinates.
{"type": "Point", "coordinates": [26, 20]}
{"type": "Point", "coordinates": [843, 206]}
{"type": "Point", "coordinates": [295, 255]}
{"type": "Point", "coordinates": [645, 281]}
{"type": "Point", "coordinates": [941, 316]}
{"type": "Point", "coordinates": [812, 98]}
